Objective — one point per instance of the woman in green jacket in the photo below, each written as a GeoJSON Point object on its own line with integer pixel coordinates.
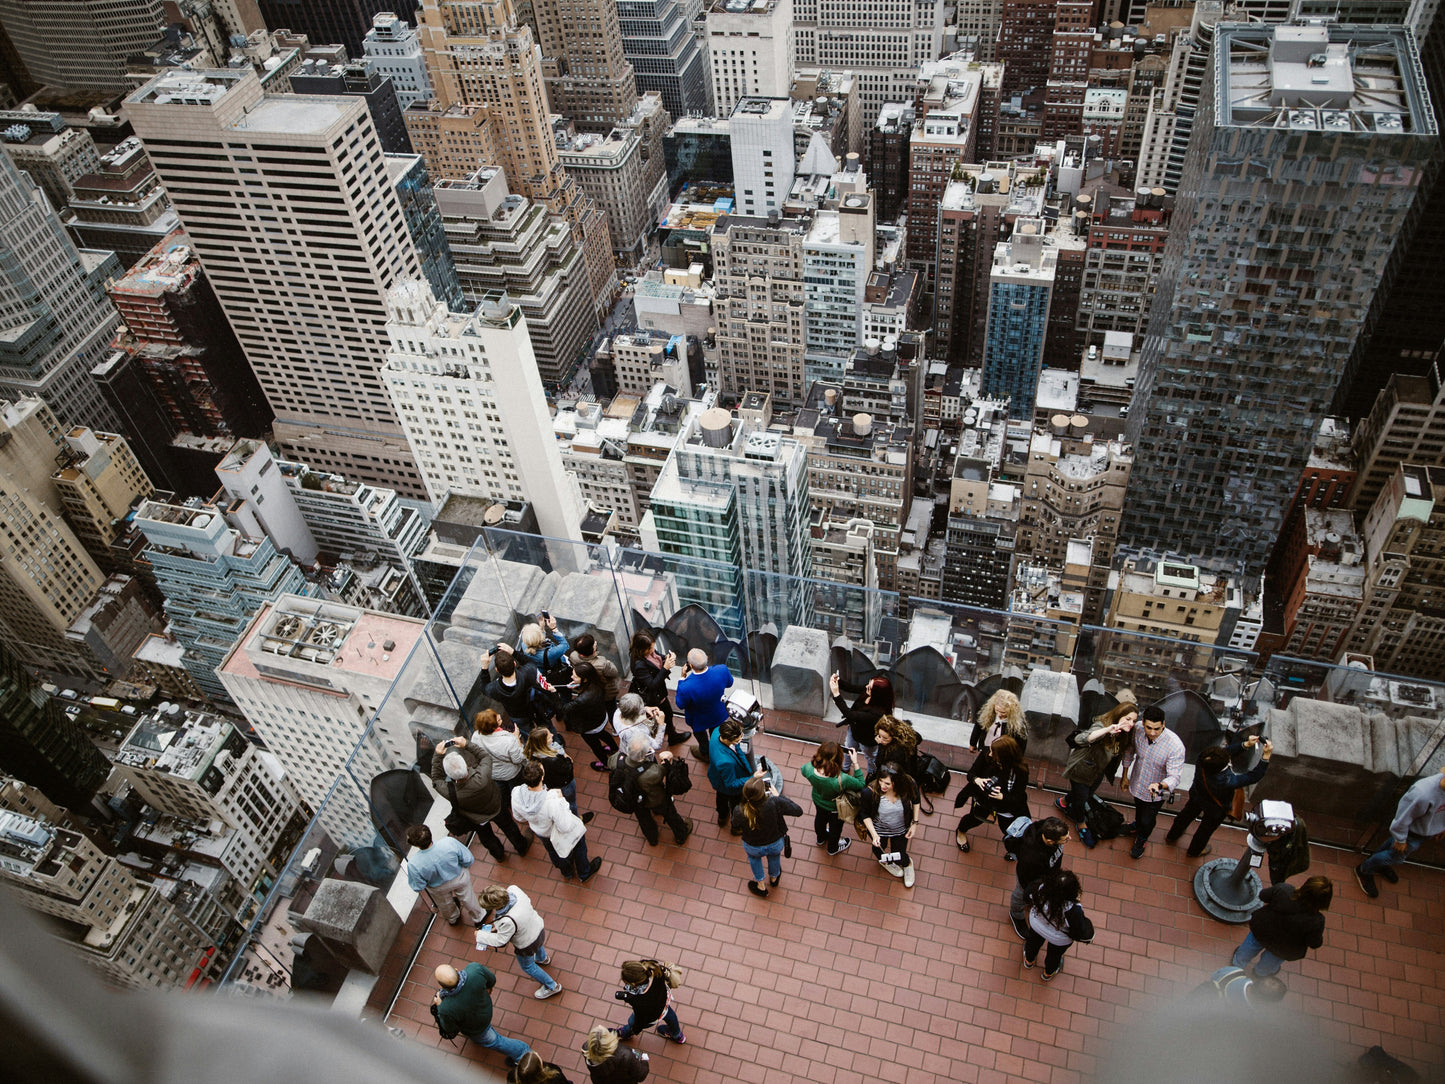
{"type": "Point", "coordinates": [826, 776]}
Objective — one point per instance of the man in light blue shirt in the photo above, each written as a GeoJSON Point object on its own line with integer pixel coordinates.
{"type": "Point", "coordinates": [442, 869]}
{"type": "Point", "coordinates": [1419, 816]}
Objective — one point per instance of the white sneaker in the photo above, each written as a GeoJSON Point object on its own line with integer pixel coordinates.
{"type": "Point", "coordinates": [544, 992]}
{"type": "Point", "coordinates": [908, 876]}
{"type": "Point", "coordinates": [893, 868]}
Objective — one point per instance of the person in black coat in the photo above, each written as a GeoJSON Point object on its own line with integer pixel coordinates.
{"type": "Point", "coordinates": [650, 671]}
{"type": "Point", "coordinates": [1036, 852]}
{"type": "Point", "coordinates": [609, 1062]}
{"type": "Point", "coordinates": [587, 714]}
{"type": "Point", "coordinates": [644, 988]}
{"type": "Point", "coordinates": [998, 784]}
{"type": "Point", "coordinates": [1212, 793]}
{"type": "Point", "coordinates": [861, 719]}
{"type": "Point", "coordinates": [759, 819]}
{"type": "Point", "coordinates": [1290, 923]}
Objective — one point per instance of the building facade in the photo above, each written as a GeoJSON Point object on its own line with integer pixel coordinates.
{"type": "Point", "coordinates": [1221, 428]}
{"type": "Point", "coordinates": [272, 217]}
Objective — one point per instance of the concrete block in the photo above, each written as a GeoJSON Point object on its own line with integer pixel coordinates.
{"type": "Point", "coordinates": [354, 920]}
{"type": "Point", "coordinates": [801, 666]}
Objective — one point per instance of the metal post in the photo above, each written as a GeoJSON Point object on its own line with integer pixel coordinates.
{"type": "Point", "coordinates": [1228, 888]}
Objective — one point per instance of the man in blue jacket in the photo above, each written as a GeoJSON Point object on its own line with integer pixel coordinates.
{"type": "Point", "coordinates": [700, 697]}
{"type": "Point", "coordinates": [729, 768]}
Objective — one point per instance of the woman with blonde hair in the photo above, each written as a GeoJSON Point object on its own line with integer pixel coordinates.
{"type": "Point", "coordinates": [609, 1062]}
{"type": "Point", "coordinates": [1001, 716]}
{"type": "Point", "coordinates": [543, 647]}
{"type": "Point", "coordinates": [758, 818]}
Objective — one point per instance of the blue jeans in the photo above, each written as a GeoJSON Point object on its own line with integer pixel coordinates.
{"type": "Point", "coordinates": [1268, 964]}
{"type": "Point", "coordinates": [1386, 855]}
{"type": "Point", "coordinates": [529, 963]}
{"type": "Point", "coordinates": [772, 851]}
{"type": "Point", "coordinates": [669, 1026]}
{"type": "Point", "coordinates": [492, 1039]}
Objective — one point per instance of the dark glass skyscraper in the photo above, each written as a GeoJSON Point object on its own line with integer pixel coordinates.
{"type": "Point", "coordinates": [1303, 169]}
{"type": "Point", "coordinates": [40, 745]}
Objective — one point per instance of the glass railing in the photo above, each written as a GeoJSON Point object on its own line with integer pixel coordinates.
{"type": "Point", "coordinates": [1347, 740]}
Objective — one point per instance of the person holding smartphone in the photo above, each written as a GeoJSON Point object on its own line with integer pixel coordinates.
{"type": "Point", "coordinates": [826, 775]}
{"type": "Point", "coordinates": [759, 819]}
{"type": "Point", "coordinates": [1152, 765]}
{"type": "Point", "coordinates": [889, 813]}
{"type": "Point", "coordinates": [1211, 797]}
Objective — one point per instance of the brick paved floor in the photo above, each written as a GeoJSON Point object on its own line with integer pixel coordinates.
{"type": "Point", "coordinates": [946, 997]}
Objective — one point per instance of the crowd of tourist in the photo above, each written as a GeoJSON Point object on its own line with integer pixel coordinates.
{"type": "Point", "coordinates": [514, 769]}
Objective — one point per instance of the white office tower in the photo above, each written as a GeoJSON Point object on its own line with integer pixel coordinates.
{"type": "Point", "coordinates": [750, 48]}
{"type": "Point", "coordinates": [222, 800]}
{"type": "Point", "coordinates": [287, 202]}
{"type": "Point", "coordinates": [366, 535]}
{"type": "Point", "coordinates": [260, 501]}
{"type": "Point", "coordinates": [466, 388]}
{"type": "Point", "coordinates": [393, 49]}
{"type": "Point", "coordinates": [882, 42]}
{"type": "Point", "coordinates": [837, 260]}
{"type": "Point", "coordinates": [762, 149]}
{"type": "Point", "coordinates": [310, 676]}
{"type": "Point", "coordinates": [81, 44]}
{"type": "Point", "coordinates": [55, 320]}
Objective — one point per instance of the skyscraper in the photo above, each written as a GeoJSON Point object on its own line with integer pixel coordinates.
{"type": "Point", "coordinates": [750, 48]}
{"type": "Point", "coordinates": [81, 44]}
{"type": "Point", "coordinates": [737, 495]}
{"type": "Point", "coordinates": [47, 578]}
{"type": "Point", "coordinates": [332, 22]}
{"type": "Point", "coordinates": [467, 390]}
{"type": "Point", "coordinates": [1304, 165]}
{"type": "Point", "coordinates": [300, 231]}
{"type": "Point", "coordinates": [881, 41]}
{"type": "Point", "coordinates": [477, 56]}
{"type": "Point", "coordinates": [213, 577]}
{"type": "Point", "coordinates": [54, 315]}
{"type": "Point", "coordinates": [665, 54]}
{"type": "Point", "coordinates": [1021, 288]}
{"type": "Point", "coordinates": [393, 49]}
{"type": "Point", "coordinates": [40, 744]}
{"type": "Point", "coordinates": [588, 77]}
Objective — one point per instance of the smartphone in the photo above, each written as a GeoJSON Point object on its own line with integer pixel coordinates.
{"type": "Point", "coordinates": [546, 616]}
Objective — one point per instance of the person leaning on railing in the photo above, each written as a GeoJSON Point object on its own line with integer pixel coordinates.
{"type": "Point", "coordinates": [1211, 796]}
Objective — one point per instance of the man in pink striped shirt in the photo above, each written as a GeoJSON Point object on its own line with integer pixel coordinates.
{"type": "Point", "coordinates": [1151, 770]}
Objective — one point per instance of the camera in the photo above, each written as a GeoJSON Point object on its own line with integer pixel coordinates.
{"type": "Point", "coordinates": [620, 995]}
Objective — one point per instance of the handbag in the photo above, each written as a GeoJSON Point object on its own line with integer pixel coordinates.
{"type": "Point", "coordinates": [847, 807]}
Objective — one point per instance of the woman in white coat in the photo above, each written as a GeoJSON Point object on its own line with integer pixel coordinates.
{"type": "Point", "coordinates": [560, 830]}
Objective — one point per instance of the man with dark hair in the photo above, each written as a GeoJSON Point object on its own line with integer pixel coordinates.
{"type": "Point", "coordinates": [441, 868]}
{"type": "Point", "coordinates": [1039, 849]}
{"type": "Point", "coordinates": [1152, 765]}
{"type": "Point", "coordinates": [1212, 795]}
{"type": "Point", "coordinates": [584, 649]}
{"type": "Point", "coordinates": [519, 693]}
{"type": "Point", "coordinates": [700, 696]}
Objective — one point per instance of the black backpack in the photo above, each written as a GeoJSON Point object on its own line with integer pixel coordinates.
{"type": "Point", "coordinates": [623, 791]}
{"type": "Point", "coordinates": [675, 779]}
{"type": "Point", "coordinates": [442, 1029]}
{"type": "Point", "coordinates": [1102, 819]}
{"type": "Point", "coordinates": [932, 774]}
